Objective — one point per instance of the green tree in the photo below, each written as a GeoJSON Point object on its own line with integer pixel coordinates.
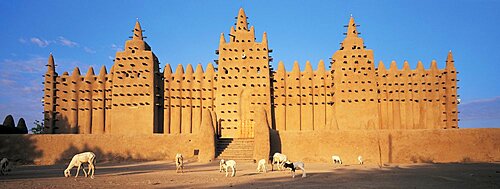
{"type": "Point", "coordinates": [21, 126]}
{"type": "Point", "coordinates": [38, 129]}
{"type": "Point", "coordinates": [9, 121]}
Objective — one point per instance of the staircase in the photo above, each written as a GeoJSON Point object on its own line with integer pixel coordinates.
{"type": "Point", "coordinates": [234, 149]}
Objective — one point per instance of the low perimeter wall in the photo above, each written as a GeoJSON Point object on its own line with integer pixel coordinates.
{"type": "Point", "coordinates": [60, 148]}
{"type": "Point", "coordinates": [376, 147]}
{"type": "Point", "coordinates": [396, 146]}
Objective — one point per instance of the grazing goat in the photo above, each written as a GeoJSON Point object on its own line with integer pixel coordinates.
{"type": "Point", "coordinates": [226, 165]}
{"type": "Point", "coordinates": [262, 166]}
{"type": "Point", "coordinates": [294, 166]}
{"type": "Point", "coordinates": [179, 164]}
{"type": "Point", "coordinates": [360, 160]}
{"type": "Point", "coordinates": [336, 159]}
{"type": "Point", "coordinates": [4, 166]}
{"type": "Point", "coordinates": [279, 160]}
{"type": "Point", "coordinates": [78, 160]}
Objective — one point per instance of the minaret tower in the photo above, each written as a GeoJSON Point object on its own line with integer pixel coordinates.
{"type": "Point", "coordinates": [137, 91]}
{"type": "Point", "coordinates": [243, 83]}
{"type": "Point", "coordinates": [49, 97]}
{"type": "Point", "coordinates": [353, 71]}
{"type": "Point", "coordinates": [451, 104]}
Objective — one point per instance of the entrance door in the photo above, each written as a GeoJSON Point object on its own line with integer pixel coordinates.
{"type": "Point", "coordinates": [242, 127]}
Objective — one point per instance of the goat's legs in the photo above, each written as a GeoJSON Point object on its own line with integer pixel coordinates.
{"type": "Point", "coordinates": [84, 172]}
{"type": "Point", "coordinates": [78, 171]}
{"type": "Point", "coordinates": [91, 168]}
{"type": "Point", "coordinates": [303, 171]}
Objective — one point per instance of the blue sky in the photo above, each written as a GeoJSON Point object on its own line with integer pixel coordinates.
{"type": "Point", "coordinates": [88, 33]}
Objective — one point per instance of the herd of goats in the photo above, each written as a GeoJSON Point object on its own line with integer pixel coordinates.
{"type": "Point", "coordinates": [278, 159]}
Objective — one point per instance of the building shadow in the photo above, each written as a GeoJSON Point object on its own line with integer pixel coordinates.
{"type": "Point", "coordinates": [17, 147]}
{"type": "Point", "coordinates": [275, 141]}
{"type": "Point", "coordinates": [449, 175]}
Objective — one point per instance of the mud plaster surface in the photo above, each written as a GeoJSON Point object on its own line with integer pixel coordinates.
{"type": "Point", "coordinates": [161, 174]}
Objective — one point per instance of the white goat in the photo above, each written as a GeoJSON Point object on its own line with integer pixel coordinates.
{"type": "Point", "coordinates": [226, 165]}
{"type": "Point", "coordinates": [336, 159]}
{"type": "Point", "coordinates": [294, 166]}
{"type": "Point", "coordinates": [4, 166]}
{"type": "Point", "coordinates": [278, 159]}
{"type": "Point", "coordinates": [78, 160]}
{"type": "Point", "coordinates": [179, 163]}
{"type": "Point", "coordinates": [262, 166]}
{"type": "Point", "coordinates": [360, 160]}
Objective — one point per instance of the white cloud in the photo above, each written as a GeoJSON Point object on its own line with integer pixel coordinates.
{"type": "Point", "coordinates": [89, 50]}
{"type": "Point", "coordinates": [6, 82]}
{"type": "Point", "coordinates": [481, 109]}
{"type": "Point", "coordinates": [32, 89]}
{"type": "Point", "coordinates": [116, 47]}
{"type": "Point", "coordinates": [66, 42]}
{"type": "Point", "coordinates": [32, 65]}
{"type": "Point", "coordinates": [22, 40]}
{"type": "Point", "coordinates": [40, 42]}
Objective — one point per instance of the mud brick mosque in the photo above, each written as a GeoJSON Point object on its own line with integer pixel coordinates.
{"type": "Point", "coordinates": [134, 97]}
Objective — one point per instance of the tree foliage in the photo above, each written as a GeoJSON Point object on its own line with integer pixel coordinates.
{"type": "Point", "coordinates": [38, 129]}
{"type": "Point", "coordinates": [9, 121]}
{"type": "Point", "coordinates": [21, 126]}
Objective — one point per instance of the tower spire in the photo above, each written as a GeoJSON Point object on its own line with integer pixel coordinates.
{"type": "Point", "coordinates": [50, 64]}
{"type": "Point", "coordinates": [351, 28]}
{"type": "Point", "coordinates": [222, 40]}
{"type": "Point", "coordinates": [137, 31]}
{"type": "Point", "coordinates": [450, 63]}
{"type": "Point", "coordinates": [241, 20]}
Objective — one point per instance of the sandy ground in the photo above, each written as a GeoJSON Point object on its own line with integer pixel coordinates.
{"type": "Point", "coordinates": [161, 174]}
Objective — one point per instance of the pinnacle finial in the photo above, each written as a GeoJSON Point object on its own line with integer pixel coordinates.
{"type": "Point", "coordinates": [406, 66]}
{"type": "Point", "coordinates": [51, 64]}
{"type": "Point", "coordinates": [351, 28]}
{"type": "Point", "coordinates": [222, 40]}
{"type": "Point", "coordinates": [450, 63]}
{"type": "Point", "coordinates": [137, 31]}
{"type": "Point", "coordinates": [450, 56]}
{"type": "Point", "coordinates": [241, 20]}
{"type": "Point", "coordinates": [264, 38]}
{"type": "Point", "coordinates": [381, 66]}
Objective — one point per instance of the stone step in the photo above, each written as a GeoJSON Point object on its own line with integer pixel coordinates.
{"type": "Point", "coordinates": [235, 146]}
{"type": "Point", "coordinates": [235, 143]}
{"type": "Point", "coordinates": [236, 155]}
{"type": "Point", "coordinates": [241, 156]}
{"type": "Point", "coordinates": [236, 140]}
{"type": "Point", "coordinates": [235, 151]}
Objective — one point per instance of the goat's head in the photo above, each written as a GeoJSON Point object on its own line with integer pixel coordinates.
{"type": "Point", "coordinates": [67, 173]}
{"type": "Point", "coordinates": [289, 165]}
{"type": "Point", "coordinates": [221, 164]}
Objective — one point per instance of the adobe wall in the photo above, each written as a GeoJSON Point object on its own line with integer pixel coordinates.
{"type": "Point", "coordinates": [403, 146]}
{"type": "Point", "coordinates": [51, 149]}
{"type": "Point", "coordinates": [385, 146]}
